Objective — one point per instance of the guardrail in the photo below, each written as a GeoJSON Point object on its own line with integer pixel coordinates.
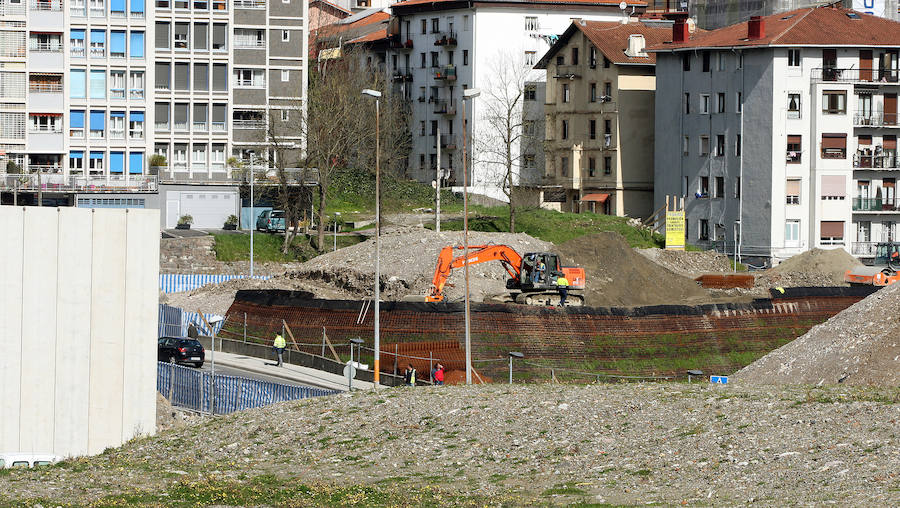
{"type": "Point", "coordinates": [883, 161]}
{"type": "Point", "coordinates": [836, 75]}
{"type": "Point", "coordinates": [863, 248]}
{"type": "Point", "coordinates": [73, 183]}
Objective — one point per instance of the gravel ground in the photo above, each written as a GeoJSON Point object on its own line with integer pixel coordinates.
{"type": "Point", "coordinates": [665, 443]}
{"type": "Point", "coordinates": [689, 263]}
{"type": "Point", "coordinates": [858, 346]}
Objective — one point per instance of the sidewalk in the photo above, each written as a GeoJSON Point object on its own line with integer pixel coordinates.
{"type": "Point", "coordinates": [295, 373]}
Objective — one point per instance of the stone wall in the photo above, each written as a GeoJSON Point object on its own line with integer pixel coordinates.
{"type": "Point", "coordinates": [197, 255]}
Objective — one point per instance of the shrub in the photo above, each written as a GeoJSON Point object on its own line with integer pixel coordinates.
{"type": "Point", "coordinates": [186, 219]}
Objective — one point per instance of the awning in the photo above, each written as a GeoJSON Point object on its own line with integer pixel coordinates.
{"type": "Point", "coordinates": [598, 197]}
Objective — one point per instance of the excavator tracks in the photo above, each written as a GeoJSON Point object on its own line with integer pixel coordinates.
{"type": "Point", "coordinates": [548, 298]}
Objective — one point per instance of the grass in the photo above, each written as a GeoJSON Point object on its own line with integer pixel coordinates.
{"type": "Point", "coordinates": [555, 227]}
{"type": "Point", "coordinates": [267, 247]}
{"type": "Point", "coordinates": [352, 192]}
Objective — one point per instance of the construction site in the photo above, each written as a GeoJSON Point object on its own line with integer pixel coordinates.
{"type": "Point", "coordinates": [642, 313]}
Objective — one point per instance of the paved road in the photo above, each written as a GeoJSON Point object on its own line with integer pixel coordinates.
{"type": "Point", "coordinates": [233, 371]}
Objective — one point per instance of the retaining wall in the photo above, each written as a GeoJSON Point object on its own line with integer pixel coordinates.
{"type": "Point", "coordinates": [658, 340]}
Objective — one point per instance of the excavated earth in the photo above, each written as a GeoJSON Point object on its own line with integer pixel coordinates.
{"type": "Point", "coordinates": [498, 445]}
{"type": "Point", "coordinates": [858, 346]}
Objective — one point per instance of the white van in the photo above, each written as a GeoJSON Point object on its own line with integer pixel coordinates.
{"type": "Point", "coordinates": [10, 460]}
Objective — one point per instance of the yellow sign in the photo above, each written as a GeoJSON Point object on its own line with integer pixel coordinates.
{"type": "Point", "coordinates": [675, 230]}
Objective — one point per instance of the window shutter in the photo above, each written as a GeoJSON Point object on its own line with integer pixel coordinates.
{"type": "Point", "coordinates": [834, 140]}
{"type": "Point", "coordinates": [117, 42]}
{"type": "Point", "coordinates": [890, 142]}
{"type": "Point", "coordinates": [137, 44]}
{"type": "Point", "coordinates": [832, 229]}
{"type": "Point", "coordinates": [201, 76]}
{"type": "Point", "coordinates": [136, 163]}
{"type": "Point", "coordinates": [77, 84]}
{"type": "Point", "coordinates": [865, 140]}
{"type": "Point", "coordinates": [98, 36]}
{"type": "Point", "coordinates": [98, 84]}
{"type": "Point", "coordinates": [116, 162]}
{"type": "Point", "coordinates": [833, 185]}
{"type": "Point", "coordinates": [137, 6]}
{"type": "Point", "coordinates": [794, 140]}
{"type": "Point", "coordinates": [76, 119]}
{"type": "Point", "coordinates": [792, 188]}
{"type": "Point", "coordinates": [98, 122]}
{"type": "Point", "coordinates": [162, 35]}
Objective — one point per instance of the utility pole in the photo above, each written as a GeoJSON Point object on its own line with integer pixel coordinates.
{"type": "Point", "coordinates": [252, 215]}
{"type": "Point", "coordinates": [437, 182]}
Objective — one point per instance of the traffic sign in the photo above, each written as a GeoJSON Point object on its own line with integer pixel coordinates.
{"type": "Point", "coordinates": [719, 380]}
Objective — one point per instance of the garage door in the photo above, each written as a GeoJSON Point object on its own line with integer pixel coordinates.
{"type": "Point", "coordinates": [209, 208]}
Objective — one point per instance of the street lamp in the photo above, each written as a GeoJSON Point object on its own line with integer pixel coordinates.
{"type": "Point", "coordinates": [513, 354]}
{"type": "Point", "coordinates": [336, 216]}
{"type": "Point", "coordinates": [211, 323]}
{"type": "Point", "coordinates": [469, 93]}
{"type": "Point", "coordinates": [377, 365]}
{"type": "Point", "coordinates": [252, 215]}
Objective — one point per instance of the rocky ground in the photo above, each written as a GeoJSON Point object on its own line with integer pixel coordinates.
{"type": "Point", "coordinates": [690, 264]}
{"type": "Point", "coordinates": [667, 443]}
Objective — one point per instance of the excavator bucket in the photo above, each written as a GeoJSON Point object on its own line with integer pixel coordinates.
{"type": "Point", "coordinates": [862, 275]}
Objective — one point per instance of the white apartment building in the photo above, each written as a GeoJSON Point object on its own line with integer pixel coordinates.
{"type": "Point", "coordinates": [440, 48]}
{"type": "Point", "coordinates": [781, 132]}
{"type": "Point", "coordinates": [90, 89]}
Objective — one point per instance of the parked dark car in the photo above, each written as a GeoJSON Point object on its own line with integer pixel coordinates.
{"type": "Point", "coordinates": [181, 350]}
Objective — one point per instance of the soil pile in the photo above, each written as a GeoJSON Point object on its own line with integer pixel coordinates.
{"type": "Point", "coordinates": [816, 267]}
{"type": "Point", "coordinates": [858, 346]}
{"type": "Point", "coordinates": [618, 276]}
{"type": "Point", "coordinates": [689, 263]}
{"type": "Point", "coordinates": [408, 259]}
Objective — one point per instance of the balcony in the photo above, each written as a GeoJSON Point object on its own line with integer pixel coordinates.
{"type": "Point", "coordinates": [863, 249]}
{"type": "Point", "coordinates": [12, 9]}
{"type": "Point", "coordinates": [52, 180]}
{"type": "Point", "coordinates": [879, 161]}
{"type": "Point", "coordinates": [875, 120]}
{"type": "Point", "coordinates": [835, 75]}
{"type": "Point", "coordinates": [446, 39]}
{"type": "Point", "coordinates": [448, 142]}
{"type": "Point", "coordinates": [445, 107]}
{"type": "Point", "coordinates": [249, 4]}
{"type": "Point", "coordinates": [396, 43]}
{"type": "Point", "coordinates": [46, 5]}
{"type": "Point", "coordinates": [248, 124]}
{"type": "Point", "coordinates": [403, 74]}
{"type": "Point", "coordinates": [567, 72]}
{"type": "Point", "coordinates": [78, 11]}
{"type": "Point", "coordinates": [447, 72]}
{"type": "Point", "coordinates": [874, 205]}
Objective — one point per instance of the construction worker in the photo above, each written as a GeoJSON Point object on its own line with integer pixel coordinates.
{"type": "Point", "coordinates": [279, 348]}
{"type": "Point", "coordinates": [539, 273]}
{"type": "Point", "coordinates": [562, 284]}
{"type": "Point", "coordinates": [409, 376]}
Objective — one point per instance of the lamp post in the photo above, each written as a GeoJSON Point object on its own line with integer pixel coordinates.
{"type": "Point", "coordinates": [212, 357]}
{"type": "Point", "coordinates": [467, 94]}
{"type": "Point", "coordinates": [377, 365]}
{"type": "Point", "coordinates": [252, 214]}
{"type": "Point", "coordinates": [336, 216]}
{"type": "Point", "coordinates": [513, 354]}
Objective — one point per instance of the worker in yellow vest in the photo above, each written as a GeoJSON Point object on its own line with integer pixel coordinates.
{"type": "Point", "coordinates": [279, 348]}
{"type": "Point", "coordinates": [562, 284]}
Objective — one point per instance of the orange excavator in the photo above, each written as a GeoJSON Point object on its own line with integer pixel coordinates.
{"type": "Point", "coordinates": [528, 282]}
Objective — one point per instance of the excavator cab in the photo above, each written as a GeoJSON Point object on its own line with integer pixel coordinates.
{"type": "Point", "coordinates": [532, 277]}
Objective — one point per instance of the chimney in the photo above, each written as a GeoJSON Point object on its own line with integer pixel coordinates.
{"type": "Point", "coordinates": [679, 31]}
{"type": "Point", "coordinates": [636, 45]}
{"type": "Point", "coordinates": [756, 28]}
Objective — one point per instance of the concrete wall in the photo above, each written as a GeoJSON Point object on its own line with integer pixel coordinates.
{"type": "Point", "coordinates": [78, 303]}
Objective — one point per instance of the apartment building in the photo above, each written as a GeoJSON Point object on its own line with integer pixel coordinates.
{"type": "Point", "coordinates": [599, 116]}
{"type": "Point", "coordinates": [781, 132]}
{"type": "Point", "coordinates": [91, 89]}
{"type": "Point", "coordinates": [440, 48]}
{"type": "Point", "coordinates": [712, 14]}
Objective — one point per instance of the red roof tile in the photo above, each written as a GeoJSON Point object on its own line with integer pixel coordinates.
{"type": "Point", "coordinates": [635, 3]}
{"type": "Point", "coordinates": [815, 26]}
{"type": "Point", "coordinates": [377, 35]}
{"type": "Point", "coordinates": [612, 39]}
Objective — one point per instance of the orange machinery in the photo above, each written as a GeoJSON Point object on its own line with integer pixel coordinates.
{"type": "Point", "coordinates": [885, 268]}
{"type": "Point", "coordinates": [527, 283]}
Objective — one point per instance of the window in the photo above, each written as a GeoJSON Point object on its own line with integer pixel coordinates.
{"type": "Point", "coordinates": [687, 103]}
{"type": "Point", "coordinates": [117, 8]}
{"type": "Point", "coordinates": [219, 37]}
{"type": "Point", "coordinates": [706, 61]}
{"type": "Point", "coordinates": [794, 149]}
{"type": "Point", "coordinates": [465, 23]}
{"type": "Point", "coordinates": [834, 102]}
{"type": "Point", "coordinates": [180, 122]}
{"type": "Point", "coordinates": [435, 25]}
{"type": "Point", "coordinates": [737, 187]}
{"type": "Point", "coordinates": [285, 115]}
{"type": "Point", "coordinates": [593, 57]}
{"type": "Point", "coordinates": [531, 24]}
{"type": "Point", "coordinates": [116, 84]}
{"type": "Point", "coordinates": [739, 102]}
{"type": "Point", "coordinates": [834, 146]}
{"type": "Point", "coordinates": [95, 163]}
{"type": "Point", "coordinates": [163, 76]}
{"type": "Point", "coordinates": [162, 35]}
{"type": "Point", "coordinates": [219, 112]}
{"type": "Point", "coordinates": [684, 187]}
{"type": "Point", "coordinates": [737, 145]}
{"type": "Point", "coordinates": [740, 60]}
{"type": "Point", "coordinates": [424, 29]}
{"type": "Point", "coordinates": [529, 57]}
{"type": "Point", "coordinates": [220, 77]}
{"type": "Point", "coordinates": [792, 191]}
{"type": "Point", "coordinates": [564, 130]}
{"type": "Point", "coordinates": [117, 125]}
{"type": "Point", "coordinates": [564, 166]}
{"type": "Point", "coordinates": [249, 78]}
{"type": "Point", "coordinates": [435, 59]}
{"type": "Point", "coordinates": [465, 57]}
{"type": "Point", "coordinates": [98, 43]}
{"type": "Point", "coordinates": [45, 123]}
{"type": "Point", "coordinates": [565, 92]}
{"type": "Point", "coordinates": [704, 146]}
{"type": "Point", "coordinates": [98, 124]}
{"type": "Point", "coordinates": [686, 146]}
{"type": "Point", "coordinates": [136, 125]}
{"type": "Point", "coordinates": [574, 56]}
{"type": "Point", "coordinates": [792, 233]}
{"type": "Point", "coordinates": [117, 44]}
{"type": "Point", "coordinates": [76, 42]}
{"type": "Point", "coordinates": [793, 110]}
{"type": "Point", "coordinates": [285, 36]}
{"type": "Point", "coordinates": [76, 162]}
{"type": "Point", "coordinates": [686, 62]}
{"type": "Point", "coordinates": [137, 45]}
{"type": "Point", "coordinates": [422, 55]}
{"type": "Point", "coordinates": [703, 234]}
{"type": "Point", "coordinates": [834, 187]}
{"type": "Point", "coordinates": [720, 186]}
{"type": "Point", "coordinates": [76, 123]}
{"type": "Point", "coordinates": [201, 77]}
{"type": "Point", "coordinates": [182, 30]}
{"type": "Point", "coordinates": [449, 59]}
{"type": "Point", "coordinates": [530, 92]}
{"type": "Point", "coordinates": [607, 91]}
{"type": "Point", "coordinates": [182, 76]}
{"type": "Point", "coordinates": [831, 232]}
{"type": "Point", "coordinates": [593, 97]}
{"type": "Point", "coordinates": [135, 163]}
{"type": "Point", "coordinates": [703, 191]}
{"type": "Point", "coordinates": [285, 75]}
{"type": "Point", "coordinates": [248, 38]}
{"type": "Point", "coordinates": [98, 84]}
{"type": "Point", "coordinates": [721, 59]}
{"type": "Point", "coordinates": [592, 129]}
{"type": "Point", "coordinates": [720, 99]}
{"type": "Point", "coordinates": [704, 102]}
{"type": "Point", "coordinates": [607, 165]}
{"type": "Point", "coordinates": [201, 114]}
{"type": "Point", "coordinates": [793, 58]}
{"type": "Point", "coordinates": [201, 36]}
{"type": "Point", "coordinates": [592, 166]}
{"type": "Point", "coordinates": [720, 145]}
{"type": "Point", "coordinates": [161, 116]}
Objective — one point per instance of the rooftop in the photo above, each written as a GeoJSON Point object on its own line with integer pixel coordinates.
{"type": "Point", "coordinates": [611, 39]}
{"type": "Point", "coordinates": [828, 26]}
{"type": "Point", "coordinates": [452, 4]}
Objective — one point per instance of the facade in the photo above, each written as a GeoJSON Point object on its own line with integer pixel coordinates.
{"type": "Point", "coordinates": [782, 132]}
{"type": "Point", "coordinates": [712, 14]}
{"type": "Point", "coordinates": [89, 91]}
{"type": "Point", "coordinates": [599, 117]}
{"type": "Point", "coordinates": [438, 49]}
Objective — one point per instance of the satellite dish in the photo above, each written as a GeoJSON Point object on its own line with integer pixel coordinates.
{"type": "Point", "coordinates": [623, 5]}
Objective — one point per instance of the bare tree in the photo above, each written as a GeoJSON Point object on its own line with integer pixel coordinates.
{"type": "Point", "coordinates": [498, 143]}
{"type": "Point", "coordinates": [290, 172]}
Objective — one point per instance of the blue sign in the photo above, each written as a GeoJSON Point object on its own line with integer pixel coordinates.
{"type": "Point", "coordinates": [719, 380]}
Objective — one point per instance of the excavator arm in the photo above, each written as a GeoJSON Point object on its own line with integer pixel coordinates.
{"type": "Point", "coordinates": [505, 254]}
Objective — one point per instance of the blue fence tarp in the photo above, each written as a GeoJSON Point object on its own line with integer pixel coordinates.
{"type": "Point", "coordinates": [174, 322]}
{"type": "Point", "coordinates": [179, 282]}
{"type": "Point", "coordinates": [193, 389]}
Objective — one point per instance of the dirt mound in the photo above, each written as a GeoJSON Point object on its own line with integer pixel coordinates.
{"type": "Point", "coordinates": [408, 258]}
{"type": "Point", "coordinates": [618, 276]}
{"type": "Point", "coordinates": [689, 263]}
{"type": "Point", "coordinates": [858, 346]}
{"type": "Point", "coordinates": [816, 267]}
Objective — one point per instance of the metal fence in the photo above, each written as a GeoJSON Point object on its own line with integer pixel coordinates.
{"type": "Point", "coordinates": [179, 282]}
{"type": "Point", "coordinates": [174, 322]}
{"type": "Point", "coordinates": [194, 389]}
